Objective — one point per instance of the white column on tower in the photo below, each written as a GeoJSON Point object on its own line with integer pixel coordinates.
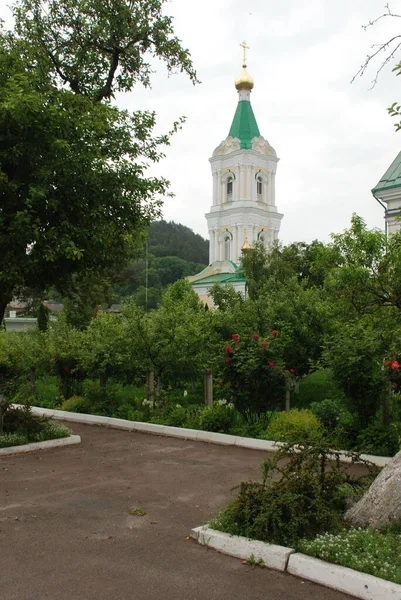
{"type": "Point", "coordinates": [211, 246]}
{"type": "Point", "coordinates": [248, 182]}
{"type": "Point", "coordinates": [240, 241]}
{"type": "Point", "coordinates": [215, 184]}
{"type": "Point", "coordinates": [273, 190]}
{"type": "Point", "coordinates": [269, 189]}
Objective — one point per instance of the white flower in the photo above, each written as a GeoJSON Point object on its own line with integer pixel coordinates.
{"type": "Point", "coordinates": [178, 406]}
{"type": "Point", "coordinates": [185, 393]}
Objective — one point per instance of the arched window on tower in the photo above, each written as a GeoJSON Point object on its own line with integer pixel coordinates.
{"type": "Point", "coordinates": [259, 188]}
{"type": "Point", "coordinates": [227, 247]}
{"type": "Point", "coordinates": [229, 189]}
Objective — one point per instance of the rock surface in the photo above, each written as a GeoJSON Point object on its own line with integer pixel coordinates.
{"type": "Point", "coordinates": [381, 504]}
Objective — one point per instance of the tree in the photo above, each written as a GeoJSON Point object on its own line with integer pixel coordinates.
{"type": "Point", "coordinates": [386, 52]}
{"type": "Point", "coordinates": [172, 341]}
{"type": "Point", "coordinates": [74, 196]}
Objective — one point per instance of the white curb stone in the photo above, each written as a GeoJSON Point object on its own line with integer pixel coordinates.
{"type": "Point", "coordinates": [342, 579]}
{"type": "Point", "coordinates": [181, 432]}
{"type": "Point", "coordinates": [69, 441]}
{"type": "Point", "coordinates": [269, 555]}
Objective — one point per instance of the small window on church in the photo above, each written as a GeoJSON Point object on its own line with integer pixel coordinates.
{"type": "Point", "coordinates": [227, 247]}
{"type": "Point", "coordinates": [229, 188]}
{"type": "Point", "coordinates": [259, 187]}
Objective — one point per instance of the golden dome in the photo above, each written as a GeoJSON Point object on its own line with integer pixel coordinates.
{"type": "Point", "coordinates": [244, 81]}
{"type": "Point", "coordinates": [246, 246]}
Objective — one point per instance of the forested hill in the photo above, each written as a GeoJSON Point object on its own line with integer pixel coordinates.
{"type": "Point", "coordinates": [173, 239]}
{"type": "Point", "coordinates": [174, 252]}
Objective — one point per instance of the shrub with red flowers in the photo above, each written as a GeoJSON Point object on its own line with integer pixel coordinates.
{"type": "Point", "coordinates": [393, 368]}
{"type": "Point", "coordinates": [252, 373]}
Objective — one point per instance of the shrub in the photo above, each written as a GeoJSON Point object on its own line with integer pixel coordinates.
{"type": "Point", "coordinates": [332, 414]}
{"type": "Point", "coordinates": [12, 439]}
{"type": "Point", "coordinates": [219, 418]}
{"type": "Point", "coordinates": [252, 373]}
{"type": "Point", "coordinates": [378, 439]}
{"type": "Point", "coordinates": [23, 427]}
{"type": "Point", "coordinates": [51, 431]}
{"type": "Point", "coordinates": [176, 416]}
{"type": "Point", "coordinates": [294, 426]}
{"type": "Point", "coordinates": [316, 387]}
{"type": "Point", "coordinates": [303, 502]}
{"type": "Point", "coordinates": [77, 404]}
{"type": "Point", "coordinates": [22, 420]}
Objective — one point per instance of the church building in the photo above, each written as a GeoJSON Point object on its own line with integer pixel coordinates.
{"type": "Point", "coordinates": [243, 209]}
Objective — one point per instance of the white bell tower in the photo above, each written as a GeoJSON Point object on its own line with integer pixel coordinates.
{"type": "Point", "coordinates": [244, 170]}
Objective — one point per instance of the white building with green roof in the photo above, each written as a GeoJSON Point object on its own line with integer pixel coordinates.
{"type": "Point", "coordinates": [388, 193]}
{"type": "Point", "coordinates": [243, 209]}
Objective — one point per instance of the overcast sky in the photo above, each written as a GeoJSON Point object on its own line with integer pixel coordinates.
{"type": "Point", "coordinates": [334, 139]}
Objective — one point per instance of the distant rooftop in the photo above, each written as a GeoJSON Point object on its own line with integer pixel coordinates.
{"type": "Point", "coordinates": [391, 178]}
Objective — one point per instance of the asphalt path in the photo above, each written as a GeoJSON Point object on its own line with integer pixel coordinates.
{"type": "Point", "coordinates": [66, 532]}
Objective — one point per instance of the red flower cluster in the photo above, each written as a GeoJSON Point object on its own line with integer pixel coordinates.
{"type": "Point", "coordinates": [292, 371]}
{"type": "Point", "coordinates": [255, 336]}
{"type": "Point", "coordinates": [271, 364]}
{"type": "Point", "coordinates": [274, 333]}
{"type": "Point", "coordinates": [235, 337]}
{"type": "Point", "coordinates": [264, 344]}
{"type": "Point", "coordinates": [395, 365]}
{"type": "Point", "coordinates": [228, 349]}
{"type": "Point", "coordinates": [228, 360]}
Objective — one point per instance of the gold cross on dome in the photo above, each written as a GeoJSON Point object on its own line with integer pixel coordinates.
{"type": "Point", "coordinates": [245, 48]}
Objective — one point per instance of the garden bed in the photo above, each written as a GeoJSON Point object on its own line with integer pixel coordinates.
{"type": "Point", "coordinates": [23, 428]}
{"type": "Point", "coordinates": [366, 585]}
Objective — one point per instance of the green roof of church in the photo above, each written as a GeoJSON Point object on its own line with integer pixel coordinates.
{"type": "Point", "coordinates": [391, 178]}
{"type": "Point", "coordinates": [244, 126]}
{"type": "Point", "coordinates": [219, 278]}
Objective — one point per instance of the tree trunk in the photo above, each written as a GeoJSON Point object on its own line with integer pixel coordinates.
{"type": "Point", "coordinates": [5, 298]}
{"type": "Point", "coordinates": [3, 410]}
{"type": "Point", "coordinates": [32, 380]}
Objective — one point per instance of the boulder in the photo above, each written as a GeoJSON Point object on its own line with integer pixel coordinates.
{"type": "Point", "coordinates": [381, 505]}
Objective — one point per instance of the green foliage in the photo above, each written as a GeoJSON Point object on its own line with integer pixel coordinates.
{"type": "Point", "coordinates": [294, 426]}
{"type": "Point", "coordinates": [379, 440]}
{"type": "Point", "coordinates": [12, 439]}
{"type": "Point", "coordinates": [169, 239]}
{"type": "Point", "coordinates": [252, 373]}
{"type": "Point", "coordinates": [317, 386]}
{"type": "Point", "coordinates": [43, 317]}
{"type": "Point", "coordinates": [77, 404]}
{"type": "Point", "coordinates": [220, 418]}
{"type": "Point", "coordinates": [303, 502]}
{"type": "Point", "coordinates": [172, 341]}
{"type": "Point", "coordinates": [23, 427]}
{"type": "Point", "coordinates": [367, 550]}
{"type": "Point", "coordinates": [354, 354]}
{"type": "Point", "coordinates": [59, 126]}
{"type": "Point", "coordinates": [332, 414]}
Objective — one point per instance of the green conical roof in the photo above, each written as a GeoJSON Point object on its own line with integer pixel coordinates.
{"type": "Point", "coordinates": [244, 126]}
{"type": "Point", "coordinates": [391, 178]}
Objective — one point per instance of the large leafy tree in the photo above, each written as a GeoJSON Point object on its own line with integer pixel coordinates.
{"type": "Point", "coordinates": [74, 194]}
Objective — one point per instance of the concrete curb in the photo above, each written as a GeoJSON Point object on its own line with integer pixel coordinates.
{"type": "Point", "coordinates": [343, 579]}
{"type": "Point", "coordinates": [269, 555]}
{"type": "Point", "coordinates": [181, 432]}
{"type": "Point", "coordinates": [68, 441]}
{"type": "Point", "coordinates": [357, 584]}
